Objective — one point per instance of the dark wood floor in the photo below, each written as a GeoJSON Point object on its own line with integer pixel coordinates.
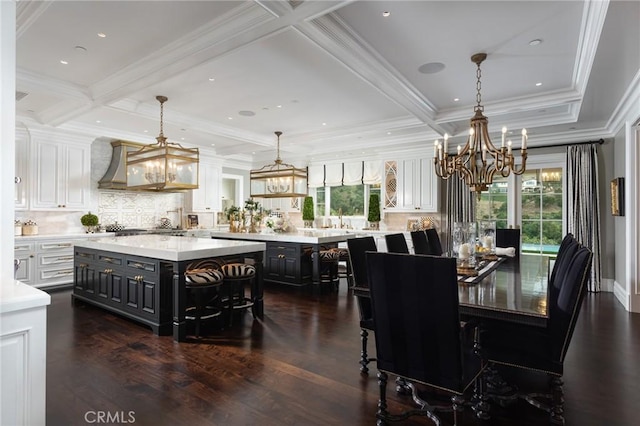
{"type": "Point", "coordinates": [297, 367]}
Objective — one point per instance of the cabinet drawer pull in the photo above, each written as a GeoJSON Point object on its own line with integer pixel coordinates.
{"type": "Point", "coordinates": [108, 259]}
{"type": "Point", "coordinates": [65, 245]}
{"type": "Point", "coordinates": [108, 271]}
{"type": "Point", "coordinates": [62, 259]}
{"type": "Point", "coordinates": [82, 265]}
{"type": "Point", "coordinates": [137, 265]}
{"type": "Point", "coordinates": [64, 273]}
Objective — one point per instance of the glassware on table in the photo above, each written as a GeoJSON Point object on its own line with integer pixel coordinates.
{"type": "Point", "coordinates": [464, 247]}
{"type": "Point", "coordinates": [487, 239]}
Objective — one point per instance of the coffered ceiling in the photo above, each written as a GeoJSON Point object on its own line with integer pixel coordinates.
{"type": "Point", "coordinates": [338, 78]}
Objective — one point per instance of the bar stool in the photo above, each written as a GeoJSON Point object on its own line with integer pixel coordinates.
{"type": "Point", "coordinates": [236, 277]}
{"type": "Point", "coordinates": [203, 285]}
{"type": "Point", "coordinates": [344, 265]}
{"type": "Point", "coordinates": [329, 259]}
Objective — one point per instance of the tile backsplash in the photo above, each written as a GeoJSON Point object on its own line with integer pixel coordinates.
{"type": "Point", "coordinates": [138, 209]}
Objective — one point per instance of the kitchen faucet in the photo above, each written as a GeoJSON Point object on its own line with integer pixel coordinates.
{"type": "Point", "coordinates": [179, 212]}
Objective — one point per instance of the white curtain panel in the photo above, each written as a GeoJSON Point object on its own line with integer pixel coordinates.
{"type": "Point", "coordinates": [333, 174]}
{"type": "Point", "coordinates": [352, 174]}
{"type": "Point", "coordinates": [372, 173]}
{"type": "Point", "coordinates": [315, 176]}
{"type": "Point", "coordinates": [583, 203]}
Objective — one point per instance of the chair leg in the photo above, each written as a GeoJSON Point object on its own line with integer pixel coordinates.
{"type": "Point", "coordinates": [382, 412]}
{"type": "Point", "coordinates": [557, 401]}
{"type": "Point", "coordinates": [364, 360]}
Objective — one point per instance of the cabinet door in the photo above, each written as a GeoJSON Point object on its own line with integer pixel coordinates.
{"type": "Point", "coordinates": [61, 176]}
{"type": "Point", "coordinates": [22, 167]}
{"type": "Point", "coordinates": [207, 197]}
{"type": "Point", "coordinates": [25, 253]}
{"type": "Point", "coordinates": [429, 186]}
{"type": "Point", "coordinates": [411, 185]}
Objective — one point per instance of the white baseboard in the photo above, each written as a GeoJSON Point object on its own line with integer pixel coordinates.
{"type": "Point", "coordinates": [621, 294]}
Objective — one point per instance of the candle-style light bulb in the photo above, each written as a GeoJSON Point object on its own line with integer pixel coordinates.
{"type": "Point", "coordinates": [509, 146]}
{"type": "Point", "coordinates": [504, 132]}
{"type": "Point", "coordinates": [435, 148]}
{"type": "Point", "coordinates": [524, 138]}
{"type": "Point", "coordinates": [446, 144]}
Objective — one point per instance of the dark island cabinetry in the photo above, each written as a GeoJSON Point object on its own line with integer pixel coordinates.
{"type": "Point", "coordinates": [288, 263]}
{"type": "Point", "coordinates": [127, 285]}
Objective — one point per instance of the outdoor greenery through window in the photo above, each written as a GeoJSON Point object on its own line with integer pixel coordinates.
{"type": "Point", "coordinates": [541, 208]}
{"type": "Point", "coordinates": [352, 199]}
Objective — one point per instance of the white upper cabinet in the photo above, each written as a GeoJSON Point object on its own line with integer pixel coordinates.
{"type": "Point", "coordinates": [207, 197]}
{"type": "Point", "coordinates": [21, 200]}
{"type": "Point", "coordinates": [410, 185]}
{"type": "Point", "coordinates": [60, 175]}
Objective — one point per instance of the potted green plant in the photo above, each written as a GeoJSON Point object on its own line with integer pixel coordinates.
{"type": "Point", "coordinates": [89, 221]}
{"type": "Point", "coordinates": [308, 214]}
{"type": "Point", "coordinates": [374, 211]}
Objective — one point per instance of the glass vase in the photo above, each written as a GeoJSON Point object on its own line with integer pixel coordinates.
{"type": "Point", "coordinates": [487, 239]}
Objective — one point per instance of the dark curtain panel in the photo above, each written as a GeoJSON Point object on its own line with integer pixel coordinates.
{"type": "Point", "coordinates": [583, 203]}
{"type": "Point", "coordinates": [461, 207]}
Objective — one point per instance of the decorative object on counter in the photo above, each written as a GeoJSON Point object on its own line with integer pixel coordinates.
{"type": "Point", "coordinates": [280, 224]}
{"type": "Point", "coordinates": [308, 214]}
{"type": "Point", "coordinates": [29, 228]}
{"type": "Point", "coordinates": [165, 223]}
{"type": "Point", "coordinates": [254, 209]}
{"type": "Point", "coordinates": [464, 244]}
{"type": "Point", "coordinates": [114, 227]}
{"type": "Point", "coordinates": [374, 211]}
{"type": "Point", "coordinates": [278, 180]}
{"type": "Point", "coordinates": [17, 228]}
{"type": "Point", "coordinates": [163, 166]}
{"type": "Point", "coordinates": [89, 221]}
{"type": "Point", "coordinates": [479, 159]}
{"type": "Point", "coordinates": [233, 216]}
{"type": "Point", "coordinates": [420, 224]}
{"type": "Point", "coordinates": [486, 244]}
{"type": "Point", "coordinates": [192, 221]}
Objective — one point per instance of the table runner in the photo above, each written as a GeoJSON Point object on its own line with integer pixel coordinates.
{"type": "Point", "coordinates": [484, 271]}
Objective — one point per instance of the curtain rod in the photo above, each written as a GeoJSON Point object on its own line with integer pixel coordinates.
{"type": "Point", "coordinates": [599, 142]}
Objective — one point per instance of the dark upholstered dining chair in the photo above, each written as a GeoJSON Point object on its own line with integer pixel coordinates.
{"type": "Point", "coordinates": [507, 237]}
{"type": "Point", "coordinates": [396, 243]}
{"type": "Point", "coordinates": [418, 333]}
{"type": "Point", "coordinates": [434, 241]}
{"type": "Point", "coordinates": [357, 249]}
{"type": "Point", "coordinates": [543, 349]}
{"type": "Point", "coordinates": [420, 242]}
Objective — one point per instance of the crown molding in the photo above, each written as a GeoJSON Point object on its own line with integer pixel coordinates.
{"type": "Point", "coordinates": [628, 109]}
{"type": "Point", "coordinates": [593, 17]}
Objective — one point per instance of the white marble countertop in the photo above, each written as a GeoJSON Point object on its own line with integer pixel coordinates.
{"type": "Point", "coordinates": [171, 248]}
{"type": "Point", "coordinates": [309, 237]}
{"type": "Point", "coordinates": [79, 235]}
{"type": "Point", "coordinates": [15, 296]}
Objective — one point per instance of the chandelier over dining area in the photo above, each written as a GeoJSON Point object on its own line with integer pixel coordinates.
{"type": "Point", "coordinates": [279, 179]}
{"type": "Point", "coordinates": [479, 160]}
{"type": "Point", "coordinates": [163, 166]}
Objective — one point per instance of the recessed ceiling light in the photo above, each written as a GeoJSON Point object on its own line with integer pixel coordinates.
{"type": "Point", "coordinates": [213, 144]}
{"type": "Point", "coordinates": [535, 42]}
{"type": "Point", "coordinates": [538, 84]}
{"type": "Point", "coordinates": [431, 67]}
{"type": "Point", "coordinates": [98, 121]}
{"type": "Point", "coordinates": [102, 35]}
{"type": "Point", "coordinates": [146, 131]}
{"type": "Point", "coordinates": [388, 133]}
{"type": "Point", "coordinates": [278, 106]}
{"type": "Point", "coordinates": [229, 118]}
{"type": "Point", "coordinates": [181, 139]}
{"type": "Point", "coordinates": [324, 124]}
{"type": "Point", "coordinates": [386, 13]}
{"type": "Point", "coordinates": [456, 99]}
{"type": "Point", "coordinates": [63, 62]}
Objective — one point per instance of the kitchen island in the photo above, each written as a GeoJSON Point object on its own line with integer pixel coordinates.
{"type": "Point", "coordinates": [292, 257]}
{"type": "Point", "coordinates": [142, 277]}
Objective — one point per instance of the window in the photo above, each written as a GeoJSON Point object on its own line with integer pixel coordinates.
{"type": "Point", "coordinates": [353, 200]}
{"type": "Point", "coordinates": [493, 203]}
{"type": "Point", "coordinates": [542, 210]}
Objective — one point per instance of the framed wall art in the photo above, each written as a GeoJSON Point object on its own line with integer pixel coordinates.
{"type": "Point", "coordinates": [617, 197]}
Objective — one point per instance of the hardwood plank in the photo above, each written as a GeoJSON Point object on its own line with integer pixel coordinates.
{"type": "Point", "coordinates": [299, 366]}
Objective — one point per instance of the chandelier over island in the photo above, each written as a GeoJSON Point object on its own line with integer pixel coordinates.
{"type": "Point", "coordinates": [479, 160]}
{"type": "Point", "coordinates": [278, 180]}
{"type": "Point", "coordinates": [163, 166]}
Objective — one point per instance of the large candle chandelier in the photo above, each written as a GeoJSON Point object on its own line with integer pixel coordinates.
{"type": "Point", "coordinates": [479, 160]}
{"type": "Point", "coordinates": [163, 166]}
{"type": "Point", "coordinates": [278, 180]}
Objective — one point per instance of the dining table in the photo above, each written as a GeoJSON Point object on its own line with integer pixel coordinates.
{"type": "Point", "coordinates": [514, 291]}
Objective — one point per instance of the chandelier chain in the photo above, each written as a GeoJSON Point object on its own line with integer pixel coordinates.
{"type": "Point", "coordinates": [479, 87]}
